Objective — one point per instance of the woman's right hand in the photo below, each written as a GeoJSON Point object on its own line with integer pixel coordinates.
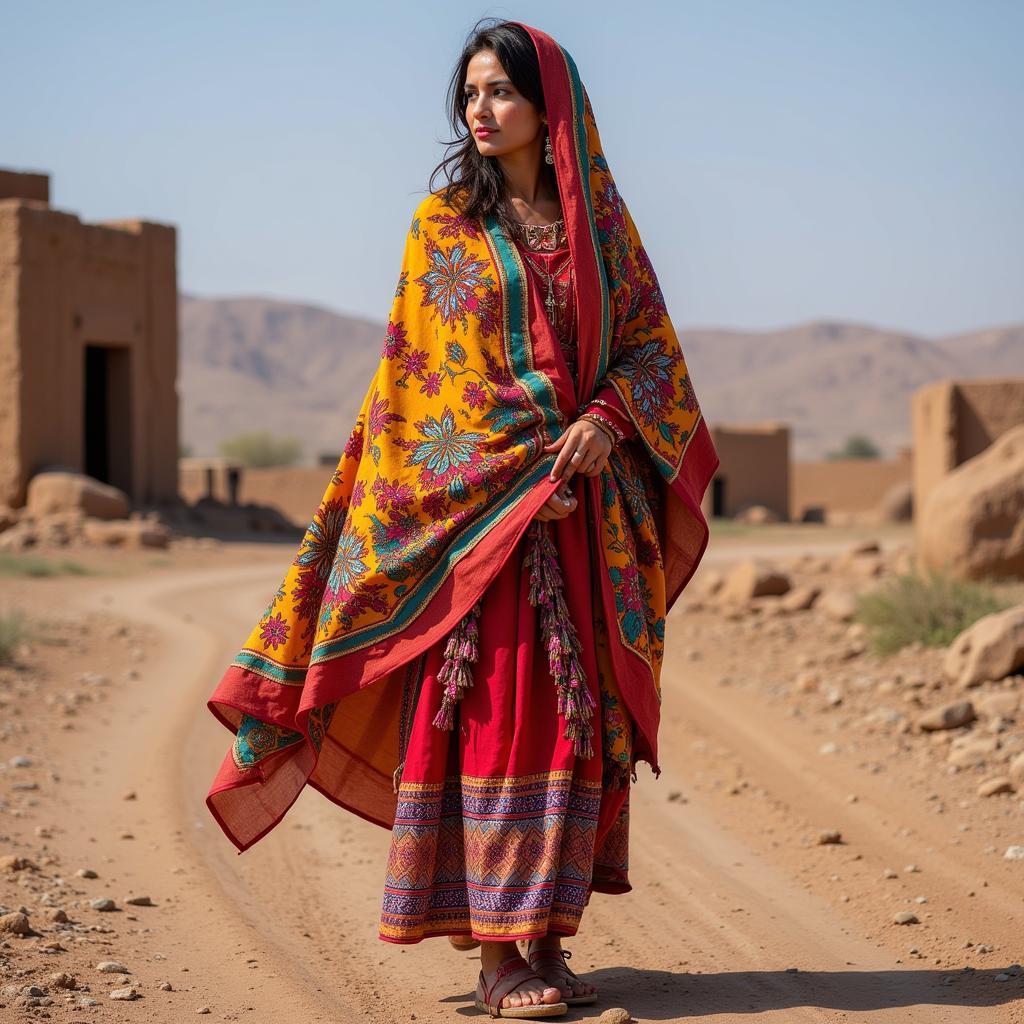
{"type": "Point", "coordinates": [561, 502]}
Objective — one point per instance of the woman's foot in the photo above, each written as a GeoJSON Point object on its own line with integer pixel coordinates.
{"type": "Point", "coordinates": [547, 958]}
{"type": "Point", "coordinates": [530, 991]}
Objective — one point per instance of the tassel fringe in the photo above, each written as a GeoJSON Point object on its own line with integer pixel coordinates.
{"type": "Point", "coordinates": [456, 672]}
{"type": "Point", "coordinates": [575, 702]}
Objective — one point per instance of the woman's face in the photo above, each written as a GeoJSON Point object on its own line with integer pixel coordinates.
{"type": "Point", "coordinates": [493, 102]}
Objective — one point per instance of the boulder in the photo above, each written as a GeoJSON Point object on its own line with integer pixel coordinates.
{"type": "Point", "coordinates": [991, 648]}
{"type": "Point", "coordinates": [897, 504]}
{"type": "Point", "coordinates": [58, 491]}
{"type": "Point", "coordinates": [756, 515]}
{"type": "Point", "coordinates": [972, 523]}
{"type": "Point", "coordinates": [753, 578]}
{"type": "Point", "coordinates": [126, 533]}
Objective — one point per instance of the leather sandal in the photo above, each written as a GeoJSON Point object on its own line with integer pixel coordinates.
{"type": "Point", "coordinates": [561, 956]}
{"type": "Point", "coordinates": [508, 974]}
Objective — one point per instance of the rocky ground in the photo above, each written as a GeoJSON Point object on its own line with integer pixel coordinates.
{"type": "Point", "coordinates": [835, 836]}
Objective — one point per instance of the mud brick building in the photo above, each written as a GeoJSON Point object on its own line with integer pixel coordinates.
{"type": "Point", "coordinates": [88, 346]}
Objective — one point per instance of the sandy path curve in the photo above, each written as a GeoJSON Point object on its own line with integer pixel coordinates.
{"type": "Point", "coordinates": [287, 931]}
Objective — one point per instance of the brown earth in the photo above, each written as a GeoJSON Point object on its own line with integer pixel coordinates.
{"type": "Point", "coordinates": [737, 912]}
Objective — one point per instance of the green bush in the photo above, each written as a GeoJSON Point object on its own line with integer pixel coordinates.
{"type": "Point", "coordinates": [34, 565]}
{"type": "Point", "coordinates": [856, 446]}
{"type": "Point", "coordinates": [14, 629]}
{"type": "Point", "coordinates": [931, 609]}
{"type": "Point", "coordinates": [261, 449]}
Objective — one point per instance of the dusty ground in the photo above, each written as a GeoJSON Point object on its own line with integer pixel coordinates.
{"type": "Point", "coordinates": [737, 913]}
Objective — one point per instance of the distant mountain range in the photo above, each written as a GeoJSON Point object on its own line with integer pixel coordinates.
{"type": "Point", "coordinates": [257, 364]}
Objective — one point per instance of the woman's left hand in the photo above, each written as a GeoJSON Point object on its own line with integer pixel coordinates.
{"type": "Point", "coordinates": [583, 448]}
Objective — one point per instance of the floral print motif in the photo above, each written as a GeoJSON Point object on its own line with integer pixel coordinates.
{"type": "Point", "coordinates": [274, 631]}
{"type": "Point", "coordinates": [450, 285]}
{"type": "Point", "coordinates": [447, 456]}
{"type": "Point", "coordinates": [650, 371]}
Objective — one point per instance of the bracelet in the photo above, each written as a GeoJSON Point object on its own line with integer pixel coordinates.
{"type": "Point", "coordinates": [601, 401]}
{"type": "Point", "coordinates": [614, 434]}
{"type": "Point", "coordinates": [607, 405]}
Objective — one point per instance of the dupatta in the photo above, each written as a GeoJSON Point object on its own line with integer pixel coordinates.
{"type": "Point", "coordinates": [443, 472]}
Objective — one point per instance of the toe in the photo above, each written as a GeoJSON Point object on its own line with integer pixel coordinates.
{"type": "Point", "coordinates": [553, 995]}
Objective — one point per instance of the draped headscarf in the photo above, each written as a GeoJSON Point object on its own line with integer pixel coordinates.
{"type": "Point", "coordinates": [443, 472]}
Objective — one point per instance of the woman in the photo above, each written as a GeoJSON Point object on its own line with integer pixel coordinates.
{"type": "Point", "coordinates": [467, 646]}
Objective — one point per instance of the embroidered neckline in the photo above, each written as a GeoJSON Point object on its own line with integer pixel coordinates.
{"type": "Point", "coordinates": [542, 236]}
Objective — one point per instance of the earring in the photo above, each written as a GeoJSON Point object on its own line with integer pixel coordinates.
{"type": "Point", "coordinates": [549, 157]}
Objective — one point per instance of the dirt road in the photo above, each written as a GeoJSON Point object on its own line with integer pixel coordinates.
{"type": "Point", "coordinates": [734, 916]}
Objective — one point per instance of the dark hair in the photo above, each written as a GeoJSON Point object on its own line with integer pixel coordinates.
{"type": "Point", "coordinates": [475, 184]}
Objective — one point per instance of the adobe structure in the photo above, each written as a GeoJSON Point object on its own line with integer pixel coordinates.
{"type": "Point", "coordinates": [88, 346]}
{"type": "Point", "coordinates": [754, 469]}
{"type": "Point", "coordinates": [954, 420]}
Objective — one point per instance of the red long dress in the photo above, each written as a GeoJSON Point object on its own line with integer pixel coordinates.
{"type": "Point", "coordinates": [501, 831]}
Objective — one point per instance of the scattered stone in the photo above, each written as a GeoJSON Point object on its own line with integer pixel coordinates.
{"type": "Point", "coordinates": [63, 980]}
{"type": "Point", "coordinates": [124, 993]}
{"type": "Point", "coordinates": [973, 751]}
{"type": "Point", "coordinates": [140, 901]}
{"type": "Point", "coordinates": [829, 835]}
{"type": "Point", "coordinates": [203, 1009]}
{"type": "Point", "coordinates": [840, 605]}
{"type": "Point", "coordinates": [800, 599]}
{"type": "Point", "coordinates": [104, 904]}
{"type": "Point", "coordinates": [991, 787]}
{"type": "Point", "coordinates": [905, 917]}
{"type": "Point", "coordinates": [165, 986]}
{"type": "Point", "coordinates": [1016, 770]}
{"type": "Point", "coordinates": [1004, 704]}
{"type": "Point", "coordinates": [861, 547]}
{"type": "Point", "coordinates": [616, 1015]}
{"type": "Point", "coordinates": [948, 716]}
{"type": "Point", "coordinates": [86, 873]}
{"type": "Point", "coordinates": [13, 864]}
{"type": "Point", "coordinates": [15, 923]}
{"type": "Point", "coordinates": [57, 916]}
{"type": "Point", "coordinates": [1002, 976]}
{"type": "Point", "coordinates": [112, 967]}
{"type": "Point", "coordinates": [1012, 853]}
{"type": "Point", "coordinates": [889, 873]}
{"type": "Point", "coordinates": [805, 682]}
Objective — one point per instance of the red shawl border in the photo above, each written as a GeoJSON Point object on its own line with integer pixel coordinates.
{"type": "Point", "coordinates": [686, 539]}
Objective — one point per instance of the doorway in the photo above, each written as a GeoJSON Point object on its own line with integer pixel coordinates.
{"type": "Point", "coordinates": [718, 496]}
{"type": "Point", "coordinates": [107, 419]}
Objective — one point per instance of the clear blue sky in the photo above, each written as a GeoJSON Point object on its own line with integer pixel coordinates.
{"type": "Point", "coordinates": [783, 160]}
